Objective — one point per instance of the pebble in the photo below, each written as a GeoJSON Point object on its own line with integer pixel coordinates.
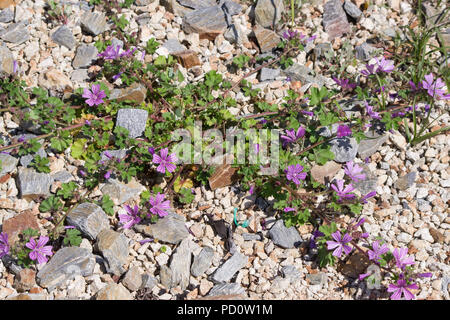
{"type": "Point", "coordinates": [285, 237]}
{"type": "Point", "coordinates": [226, 271]}
{"type": "Point", "coordinates": [268, 12]}
{"type": "Point", "coordinates": [84, 56]}
{"type": "Point", "coordinates": [202, 261]}
{"type": "Point", "coordinates": [89, 218]}
{"type": "Point", "coordinates": [114, 248]}
{"type": "Point", "coordinates": [64, 36]}
{"type": "Point", "coordinates": [170, 229]}
{"type": "Point", "coordinates": [94, 22]}
{"type": "Point", "coordinates": [133, 120]}
{"type": "Point", "coordinates": [114, 291]}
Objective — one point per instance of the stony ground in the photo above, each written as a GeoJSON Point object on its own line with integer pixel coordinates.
{"type": "Point", "coordinates": [265, 260]}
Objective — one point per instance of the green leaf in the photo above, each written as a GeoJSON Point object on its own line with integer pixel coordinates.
{"type": "Point", "coordinates": [72, 237]}
{"type": "Point", "coordinates": [107, 205]}
{"type": "Point", "coordinates": [52, 203]}
{"type": "Point", "coordinates": [78, 148]}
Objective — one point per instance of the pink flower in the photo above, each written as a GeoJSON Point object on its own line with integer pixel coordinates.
{"type": "Point", "coordinates": [292, 135]}
{"type": "Point", "coordinates": [111, 52]}
{"type": "Point", "coordinates": [377, 251]}
{"type": "Point", "coordinates": [343, 192]}
{"type": "Point", "coordinates": [4, 245]}
{"type": "Point", "coordinates": [38, 249]}
{"type": "Point", "coordinates": [94, 97]}
{"type": "Point", "coordinates": [371, 113]}
{"type": "Point", "coordinates": [339, 244]}
{"type": "Point", "coordinates": [159, 206]}
{"type": "Point", "coordinates": [401, 258]}
{"type": "Point", "coordinates": [165, 161]}
{"type": "Point", "coordinates": [354, 171]}
{"type": "Point", "coordinates": [370, 69]}
{"type": "Point", "coordinates": [343, 131]}
{"type": "Point", "coordinates": [434, 88]}
{"type": "Point", "coordinates": [367, 196]}
{"type": "Point", "coordinates": [130, 219]}
{"type": "Point", "coordinates": [401, 288]}
{"type": "Point", "coordinates": [384, 65]}
{"type": "Point", "coordinates": [294, 173]}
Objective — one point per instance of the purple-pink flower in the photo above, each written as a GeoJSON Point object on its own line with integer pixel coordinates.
{"type": "Point", "coordinates": [354, 171]}
{"type": "Point", "coordinates": [292, 135]}
{"type": "Point", "coordinates": [377, 251]}
{"type": "Point", "coordinates": [344, 83]}
{"type": "Point", "coordinates": [94, 96]}
{"type": "Point", "coordinates": [108, 174]}
{"type": "Point", "coordinates": [339, 244]}
{"type": "Point", "coordinates": [434, 88]}
{"type": "Point", "coordinates": [159, 206]}
{"type": "Point", "coordinates": [367, 196]}
{"type": "Point", "coordinates": [165, 161]}
{"type": "Point", "coordinates": [4, 245]}
{"type": "Point", "coordinates": [371, 113]}
{"type": "Point", "coordinates": [384, 65]}
{"type": "Point", "coordinates": [39, 250]}
{"type": "Point", "coordinates": [401, 258]}
{"type": "Point", "coordinates": [343, 131]}
{"type": "Point", "coordinates": [401, 290]}
{"type": "Point", "coordinates": [370, 69]}
{"type": "Point", "coordinates": [290, 34]}
{"type": "Point", "coordinates": [130, 219]}
{"type": "Point", "coordinates": [294, 173]}
{"type": "Point", "coordinates": [342, 191]}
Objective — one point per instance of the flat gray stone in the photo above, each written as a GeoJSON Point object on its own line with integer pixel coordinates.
{"type": "Point", "coordinates": [114, 248]}
{"type": "Point", "coordinates": [84, 56]}
{"type": "Point", "coordinates": [174, 7]}
{"type": "Point", "coordinates": [322, 48]}
{"type": "Point", "coordinates": [27, 159]}
{"type": "Point", "coordinates": [252, 237]}
{"type": "Point", "coordinates": [174, 46]}
{"type": "Point", "coordinates": [133, 120]}
{"type": "Point", "coordinates": [334, 19]}
{"type": "Point", "coordinates": [7, 163]}
{"type": "Point", "coordinates": [32, 183]}
{"type": "Point", "coordinates": [267, 39]}
{"type": "Point", "coordinates": [63, 176]}
{"type": "Point", "coordinates": [406, 181]}
{"type": "Point", "coordinates": [119, 154]}
{"type": "Point", "coordinates": [94, 22]}
{"type": "Point", "coordinates": [171, 229]}
{"type": "Point", "coordinates": [268, 12]}
{"type": "Point", "coordinates": [298, 72]}
{"type": "Point", "coordinates": [120, 192]}
{"type": "Point", "coordinates": [227, 270]}
{"type": "Point", "coordinates": [210, 20]}
{"type": "Point", "coordinates": [197, 4]}
{"type": "Point", "coordinates": [268, 74]}
{"type": "Point", "coordinates": [202, 261]}
{"type": "Point", "coordinates": [291, 273]}
{"type": "Point", "coordinates": [367, 185]}
{"type": "Point", "coordinates": [65, 264]}
{"type": "Point", "coordinates": [180, 264]}
{"type": "Point", "coordinates": [63, 36]}
{"type": "Point", "coordinates": [15, 33]}
{"type": "Point", "coordinates": [344, 149]}
{"type": "Point", "coordinates": [352, 10]}
{"type": "Point", "coordinates": [79, 75]}
{"type": "Point", "coordinates": [89, 218]}
{"type": "Point", "coordinates": [364, 51]}
{"type": "Point", "coordinates": [6, 60]}
{"type": "Point", "coordinates": [226, 289]}
{"type": "Point", "coordinates": [133, 279]}
{"type": "Point", "coordinates": [232, 7]}
{"type": "Point", "coordinates": [148, 281]}
{"type": "Point", "coordinates": [284, 237]}
{"type": "Point", "coordinates": [317, 278]}
{"type": "Point", "coordinates": [368, 147]}
{"type": "Point", "coordinates": [135, 92]}
{"type": "Point", "coordinates": [165, 276]}
{"type": "Point", "coordinates": [6, 15]}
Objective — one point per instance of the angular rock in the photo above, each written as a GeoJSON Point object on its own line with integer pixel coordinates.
{"type": "Point", "coordinates": [180, 265]}
{"type": "Point", "coordinates": [301, 73]}
{"type": "Point", "coordinates": [364, 51]}
{"type": "Point", "coordinates": [119, 154]}
{"type": "Point", "coordinates": [406, 181]}
{"type": "Point", "coordinates": [136, 92]}
{"type": "Point", "coordinates": [368, 147]}
{"type": "Point", "coordinates": [7, 163]}
{"type": "Point", "coordinates": [79, 75]}
{"type": "Point", "coordinates": [235, 34]}
{"type": "Point", "coordinates": [15, 33]}
{"type": "Point", "coordinates": [233, 8]}
{"type": "Point", "coordinates": [174, 46]}
{"type": "Point", "coordinates": [114, 248]}
{"type": "Point", "coordinates": [291, 272]}
{"type": "Point", "coordinates": [268, 12]}
{"type": "Point", "coordinates": [188, 58]}
{"type": "Point", "coordinates": [355, 265]}
{"type": "Point", "coordinates": [27, 159]}
{"type": "Point", "coordinates": [33, 184]}
{"type": "Point", "coordinates": [84, 56]}
{"type": "Point", "coordinates": [89, 218]}
{"type": "Point", "coordinates": [6, 60]}
{"type": "Point", "coordinates": [267, 39]}
{"type": "Point", "coordinates": [352, 10]}
{"type": "Point", "coordinates": [63, 176]}
{"type": "Point", "coordinates": [369, 183]}
{"type": "Point", "coordinates": [25, 280]}
{"type": "Point", "coordinates": [174, 7]}
{"type": "Point", "coordinates": [197, 4]}
{"type": "Point", "coordinates": [252, 236]}
{"type": "Point", "coordinates": [170, 229]}
{"type": "Point", "coordinates": [148, 281]}
{"type": "Point", "coordinates": [15, 225]}
{"type": "Point", "coordinates": [324, 174]}
{"type": "Point", "coordinates": [227, 270]}
{"type": "Point", "coordinates": [165, 276]}
{"type": "Point", "coordinates": [94, 22]}
{"type": "Point", "coordinates": [321, 49]}
{"type": "Point", "coordinates": [320, 278]}
{"type": "Point", "coordinates": [6, 15]}
{"type": "Point", "coordinates": [224, 176]}
{"type": "Point", "coordinates": [268, 74]}
{"type": "Point", "coordinates": [133, 279]}
{"type": "Point", "coordinates": [56, 80]}
{"type": "Point", "coordinates": [226, 289]}
{"type": "Point", "coordinates": [120, 192]}
{"type": "Point", "coordinates": [202, 261]}
{"type": "Point", "coordinates": [209, 21]}
{"type": "Point", "coordinates": [284, 237]}
{"type": "Point", "coordinates": [134, 120]}
{"type": "Point", "coordinates": [344, 149]}
{"type": "Point", "coordinates": [64, 37]}
{"type": "Point", "coordinates": [114, 291]}
{"type": "Point", "coordinates": [335, 20]}
{"type": "Point", "coordinates": [144, 2]}
{"type": "Point", "coordinates": [65, 264]}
